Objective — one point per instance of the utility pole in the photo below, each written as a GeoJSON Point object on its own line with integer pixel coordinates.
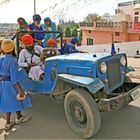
{"type": "Point", "coordinates": [112, 37]}
{"type": "Point", "coordinates": [34, 7]}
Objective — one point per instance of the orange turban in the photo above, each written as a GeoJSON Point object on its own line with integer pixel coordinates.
{"type": "Point", "coordinates": [7, 45]}
{"type": "Point", "coordinates": [51, 41]}
{"type": "Point", "coordinates": [27, 39]}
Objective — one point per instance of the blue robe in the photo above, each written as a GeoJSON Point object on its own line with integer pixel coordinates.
{"type": "Point", "coordinates": [68, 49]}
{"type": "Point", "coordinates": [37, 36]}
{"type": "Point", "coordinates": [8, 92]}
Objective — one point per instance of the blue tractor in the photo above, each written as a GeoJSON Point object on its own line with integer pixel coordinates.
{"type": "Point", "coordinates": [90, 83]}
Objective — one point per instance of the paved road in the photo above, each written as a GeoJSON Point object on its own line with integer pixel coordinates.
{"type": "Point", "coordinates": [49, 122]}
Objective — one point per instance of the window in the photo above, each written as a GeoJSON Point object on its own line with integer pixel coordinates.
{"type": "Point", "coordinates": [136, 13]}
{"type": "Point", "coordinates": [89, 41]}
{"type": "Point", "coordinates": [136, 19]}
{"type": "Point", "coordinates": [117, 33]}
{"type": "Point", "coordinates": [89, 31]}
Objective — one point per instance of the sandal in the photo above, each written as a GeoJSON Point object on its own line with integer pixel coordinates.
{"type": "Point", "coordinates": [8, 126]}
{"type": "Point", "coordinates": [22, 119]}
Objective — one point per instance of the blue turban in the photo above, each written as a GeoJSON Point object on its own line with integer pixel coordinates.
{"type": "Point", "coordinates": [74, 40]}
{"type": "Point", "coordinates": [37, 17]}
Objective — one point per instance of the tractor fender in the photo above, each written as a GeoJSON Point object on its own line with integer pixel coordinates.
{"type": "Point", "coordinates": [92, 84]}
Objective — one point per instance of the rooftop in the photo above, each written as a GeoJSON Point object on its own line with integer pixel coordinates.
{"type": "Point", "coordinates": [128, 3]}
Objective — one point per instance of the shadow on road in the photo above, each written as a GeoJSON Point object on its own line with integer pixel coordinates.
{"type": "Point", "coordinates": [49, 122]}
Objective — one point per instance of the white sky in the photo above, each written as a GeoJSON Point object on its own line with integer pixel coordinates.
{"type": "Point", "coordinates": [55, 9]}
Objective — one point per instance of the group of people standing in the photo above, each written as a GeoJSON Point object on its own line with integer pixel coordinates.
{"type": "Point", "coordinates": [12, 97]}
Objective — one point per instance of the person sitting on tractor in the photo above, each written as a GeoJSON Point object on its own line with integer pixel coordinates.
{"type": "Point", "coordinates": [70, 47]}
{"type": "Point", "coordinates": [23, 25]}
{"type": "Point", "coordinates": [35, 26]}
{"type": "Point", "coordinates": [29, 58]}
{"type": "Point", "coordinates": [48, 26]}
{"type": "Point", "coordinates": [50, 51]}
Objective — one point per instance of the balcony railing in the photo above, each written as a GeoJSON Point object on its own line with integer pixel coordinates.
{"type": "Point", "coordinates": [108, 24]}
{"type": "Point", "coordinates": [125, 3]}
{"type": "Point", "coordinates": [129, 3]}
{"type": "Point", "coordinates": [86, 24]}
{"type": "Point", "coordinates": [101, 24]}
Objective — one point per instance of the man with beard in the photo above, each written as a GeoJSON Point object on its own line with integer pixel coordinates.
{"type": "Point", "coordinates": [29, 58]}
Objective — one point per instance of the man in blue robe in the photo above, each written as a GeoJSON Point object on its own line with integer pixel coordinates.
{"type": "Point", "coordinates": [10, 87]}
{"type": "Point", "coordinates": [70, 47]}
{"type": "Point", "coordinates": [35, 26]}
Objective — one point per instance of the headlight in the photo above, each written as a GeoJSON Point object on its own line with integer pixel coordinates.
{"type": "Point", "coordinates": [123, 61]}
{"type": "Point", "coordinates": [103, 67]}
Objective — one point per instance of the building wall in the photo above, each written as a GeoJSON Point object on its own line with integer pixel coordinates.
{"type": "Point", "coordinates": [102, 35]}
{"type": "Point", "coordinates": [98, 37]}
{"type": "Point", "coordinates": [123, 27]}
{"type": "Point", "coordinates": [105, 37]}
{"type": "Point", "coordinates": [127, 13]}
{"type": "Point", "coordinates": [122, 17]}
{"type": "Point", "coordinates": [133, 37]}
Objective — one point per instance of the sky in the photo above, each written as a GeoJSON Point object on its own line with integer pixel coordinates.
{"type": "Point", "coordinates": [66, 10]}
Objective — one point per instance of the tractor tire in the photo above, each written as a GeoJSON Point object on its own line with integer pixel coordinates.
{"type": "Point", "coordinates": [82, 113]}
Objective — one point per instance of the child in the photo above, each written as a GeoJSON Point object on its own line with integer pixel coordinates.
{"type": "Point", "coordinates": [50, 51]}
{"type": "Point", "coordinates": [10, 88]}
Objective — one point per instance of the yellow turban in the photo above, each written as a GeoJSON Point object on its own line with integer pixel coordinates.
{"type": "Point", "coordinates": [7, 45]}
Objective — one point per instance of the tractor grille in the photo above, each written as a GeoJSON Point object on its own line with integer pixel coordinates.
{"type": "Point", "coordinates": [113, 73]}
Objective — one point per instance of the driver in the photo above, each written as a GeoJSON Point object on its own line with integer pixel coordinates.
{"type": "Point", "coordinates": [29, 58]}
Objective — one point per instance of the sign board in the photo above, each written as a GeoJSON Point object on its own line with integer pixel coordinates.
{"type": "Point", "coordinates": [136, 26]}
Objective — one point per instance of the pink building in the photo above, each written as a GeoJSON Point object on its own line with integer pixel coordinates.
{"type": "Point", "coordinates": [121, 28]}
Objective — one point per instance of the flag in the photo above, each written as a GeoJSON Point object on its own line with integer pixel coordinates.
{"type": "Point", "coordinates": [113, 52]}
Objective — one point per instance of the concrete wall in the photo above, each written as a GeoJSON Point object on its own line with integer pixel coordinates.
{"type": "Point", "coordinates": [129, 48]}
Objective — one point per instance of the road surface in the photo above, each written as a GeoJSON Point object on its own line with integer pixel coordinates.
{"type": "Point", "coordinates": [49, 121]}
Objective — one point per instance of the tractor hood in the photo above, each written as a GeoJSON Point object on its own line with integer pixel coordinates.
{"type": "Point", "coordinates": [80, 64]}
{"type": "Point", "coordinates": [80, 57]}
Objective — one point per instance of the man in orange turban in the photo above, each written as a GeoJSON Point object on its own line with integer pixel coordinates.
{"type": "Point", "coordinates": [51, 50]}
{"type": "Point", "coordinates": [51, 42]}
{"type": "Point", "coordinates": [27, 39]}
{"type": "Point", "coordinates": [29, 58]}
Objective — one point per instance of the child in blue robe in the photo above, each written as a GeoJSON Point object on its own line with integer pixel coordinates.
{"type": "Point", "coordinates": [10, 88]}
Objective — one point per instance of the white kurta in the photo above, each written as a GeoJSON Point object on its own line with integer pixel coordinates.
{"type": "Point", "coordinates": [25, 58]}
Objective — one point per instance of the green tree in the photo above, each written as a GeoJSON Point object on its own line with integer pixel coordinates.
{"type": "Point", "coordinates": [59, 28]}
{"type": "Point", "coordinates": [67, 32]}
{"type": "Point", "coordinates": [91, 18]}
{"type": "Point", "coordinates": [74, 32]}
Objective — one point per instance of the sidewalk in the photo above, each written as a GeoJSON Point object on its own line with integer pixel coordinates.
{"type": "Point", "coordinates": [135, 63]}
